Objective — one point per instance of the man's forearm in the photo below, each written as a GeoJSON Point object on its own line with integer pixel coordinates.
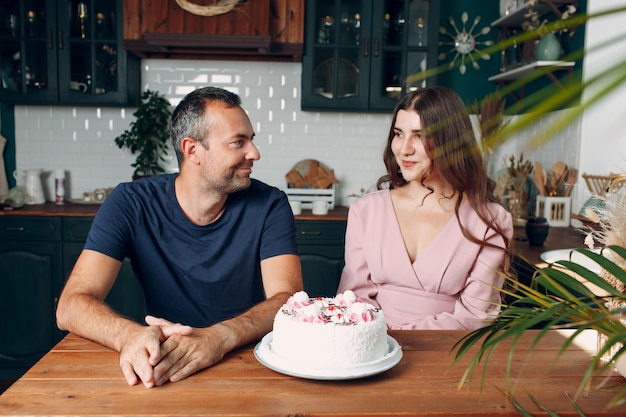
{"type": "Point", "coordinates": [253, 324]}
{"type": "Point", "coordinates": [91, 318]}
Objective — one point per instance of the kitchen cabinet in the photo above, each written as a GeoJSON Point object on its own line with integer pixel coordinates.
{"type": "Point", "coordinates": [67, 52]}
{"type": "Point", "coordinates": [518, 61]}
{"type": "Point", "coordinates": [30, 284]}
{"type": "Point", "coordinates": [366, 55]}
{"type": "Point", "coordinates": [321, 248]}
{"type": "Point", "coordinates": [37, 254]}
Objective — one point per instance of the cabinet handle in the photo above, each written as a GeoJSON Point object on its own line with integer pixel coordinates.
{"type": "Point", "coordinates": [376, 47]}
{"type": "Point", "coordinates": [310, 233]}
{"type": "Point", "coordinates": [15, 229]}
{"type": "Point", "coordinates": [60, 39]}
{"type": "Point", "coordinates": [50, 39]}
{"type": "Point", "coordinates": [366, 47]}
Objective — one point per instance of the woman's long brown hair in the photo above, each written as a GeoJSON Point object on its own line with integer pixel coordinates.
{"type": "Point", "coordinates": [452, 147]}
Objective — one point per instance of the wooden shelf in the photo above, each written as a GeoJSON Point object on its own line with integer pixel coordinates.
{"type": "Point", "coordinates": [520, 72]}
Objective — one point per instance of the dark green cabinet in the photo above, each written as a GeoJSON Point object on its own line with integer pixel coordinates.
{"type": "Point", "coordinates": [30, 284]}
{"type": "Point", "coordinates": [366, 55]}
{"type": "Point", "coordinates": [37, 254]}
{"type": "Point", "coordinates": [321, 248]}
{"type": "Point", "coordinates": [65, 52]}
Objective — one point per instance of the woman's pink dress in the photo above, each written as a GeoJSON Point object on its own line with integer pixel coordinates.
{"type": "Point", "coordinates": [453, 284]}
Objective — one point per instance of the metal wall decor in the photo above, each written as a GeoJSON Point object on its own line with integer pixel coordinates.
{"type": "Point", "coordinates": [464, 43]}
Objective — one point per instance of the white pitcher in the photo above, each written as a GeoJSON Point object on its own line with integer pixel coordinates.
{"type": "Point", "coordinates": [20, 178]}
{"type": "Point", "coordinates": [34, 188]}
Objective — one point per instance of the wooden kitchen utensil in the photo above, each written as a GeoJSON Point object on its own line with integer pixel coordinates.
{"type": "Point", "coordinates": [557, 176]}
{"type": "Point", "coordinates": [538, 179]}
{"type": "Point", "coordinates": [561, 182]}
{"type": "Point", "coordinates": [572, 176]}
{"type": "Point", "coordinates": [543, 178]}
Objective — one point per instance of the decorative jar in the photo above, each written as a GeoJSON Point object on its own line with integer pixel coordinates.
{"type": "Point", "coordinates": [537, 229]}
{"type": "Point", "coordinates": [548, 48]}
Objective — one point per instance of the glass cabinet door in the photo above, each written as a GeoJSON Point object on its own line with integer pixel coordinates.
{"type": "Point", "coordinates": [398, 65]}
{"type": "Point", "coordinates": [367, 54]}
{"type": "Point", "coordinates": [338, 49]}
{"type": "Point", "coordinates": [88, 49]}
{"type": "Point", "coordinates": [26, 49]}
{"type": "Point", "coordinates": [65, 52]}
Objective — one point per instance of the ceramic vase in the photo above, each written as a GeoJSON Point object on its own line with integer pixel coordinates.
{"type": "Point", "coordinates": [537, 230]}
{"type": "Point", "coordinates": [548, 48]}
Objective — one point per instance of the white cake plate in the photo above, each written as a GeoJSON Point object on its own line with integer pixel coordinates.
{"type": "Point", "coordinates": [264, 354]}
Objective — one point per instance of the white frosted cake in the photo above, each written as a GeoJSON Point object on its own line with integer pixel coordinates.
{"type": "Point", "coordinates": [339, 332]}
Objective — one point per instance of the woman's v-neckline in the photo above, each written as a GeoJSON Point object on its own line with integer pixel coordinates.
{"type": "Point", "coordinates": [429, 245]}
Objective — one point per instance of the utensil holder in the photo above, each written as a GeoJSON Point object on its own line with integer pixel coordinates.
{"type": "Point", "coordinates": [555, 209]}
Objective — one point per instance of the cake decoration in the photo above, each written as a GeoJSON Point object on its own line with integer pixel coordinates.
{"type": "Point", "coordinates": [329, 332]}
{"type": "Point", "coordinates": [345, 308]}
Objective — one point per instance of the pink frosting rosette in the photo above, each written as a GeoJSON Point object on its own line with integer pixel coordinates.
{"type": "Point", "coordinates": [298, 300]}
{"type": "Point", "coordinates": [360, 313]}
{"type": "Point", "coordinates": [346, 299]}
{"type": "Point", "coordinates": [311, 313]}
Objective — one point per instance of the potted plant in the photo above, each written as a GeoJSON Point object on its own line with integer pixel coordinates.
{"type": "Point", "coordinates": [148, 135]}
{"type": "Point", "coordinates": [556, 299]}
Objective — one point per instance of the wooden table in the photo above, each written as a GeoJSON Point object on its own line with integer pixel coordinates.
{"type": "Point", "coordinates": [79, 377]}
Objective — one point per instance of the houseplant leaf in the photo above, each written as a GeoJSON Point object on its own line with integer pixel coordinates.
{"type": "Point", "coordinates": [148, 134]}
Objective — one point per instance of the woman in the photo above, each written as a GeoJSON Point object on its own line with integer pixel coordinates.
{"type": "Point", "coordinates": [430, 246]}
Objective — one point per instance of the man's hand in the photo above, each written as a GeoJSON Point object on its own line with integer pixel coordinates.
{"type": "Point", "coordinates": [142, 351]}
{"type": "Point", "coordinates": [183, 354]}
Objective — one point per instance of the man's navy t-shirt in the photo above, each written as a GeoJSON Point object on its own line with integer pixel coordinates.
{"type": "Point", "coordinates": [190, 274]}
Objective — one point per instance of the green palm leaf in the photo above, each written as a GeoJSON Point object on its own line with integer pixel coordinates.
{"type": "Point", "coordinates": [555, 300]}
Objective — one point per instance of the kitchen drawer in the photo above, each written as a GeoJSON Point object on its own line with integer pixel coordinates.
{"type": "Point", "coordinates": [319, 232]}
{"type": "Point", "coordinates": [30, 228]}
{"type": "Point", "coordinates": [75, 229]}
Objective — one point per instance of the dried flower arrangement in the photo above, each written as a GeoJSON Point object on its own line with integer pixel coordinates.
{"type": "Point", "coordinates": [518, 171]}
{"type": "Point", "coordinates": [542, 27]}
{"type": "Point", "coordinates": [611, 230]}
{"type": "Point", "coordinates": [490, 113]}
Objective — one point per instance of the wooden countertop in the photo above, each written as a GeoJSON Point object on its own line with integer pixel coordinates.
{"type": "Point", "coordinates": [337, 214]}
{"type": "Point", "coordinates": [52, 209]}
{"type": "Point", "coordinates": [79, 377]}
{"type": "Point", "coordinates": [558, 238]}
{"type": "Point", "coordinates": [89, 210]}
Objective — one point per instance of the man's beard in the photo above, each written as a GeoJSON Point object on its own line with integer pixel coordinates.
{"type": "Point", "coordinates": [234, 183]}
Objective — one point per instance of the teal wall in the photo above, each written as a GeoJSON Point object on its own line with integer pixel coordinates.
{"type": "Point", "coordinates": [474, 84]}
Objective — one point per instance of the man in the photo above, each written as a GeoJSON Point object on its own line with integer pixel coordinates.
{"type": "Point", "coordinates": [212, 249]}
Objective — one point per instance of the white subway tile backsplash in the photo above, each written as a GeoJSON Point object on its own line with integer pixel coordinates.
{"type": "Point", "coordinates": [81, 139]}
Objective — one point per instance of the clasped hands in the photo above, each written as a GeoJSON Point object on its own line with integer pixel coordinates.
{"type": "Point", "coordinates": [165, 351]}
